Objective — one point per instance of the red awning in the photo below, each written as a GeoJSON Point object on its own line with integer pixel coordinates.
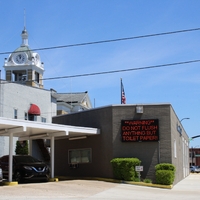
{"type": "Point", "coordinates": [34, 110]}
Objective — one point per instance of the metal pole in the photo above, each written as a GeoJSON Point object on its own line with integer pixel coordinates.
{"type": "Point", "coordinates": [192, 155]}
{"type": "Point", "coordinates": [10, 157]}
{"type": "Point", "coordinates": [158, 152]}
{"type": "Point", "coordinates": [121, 90]}
{"type": "Point", "coordinates": [184, 118]}
{"type": "Point", "coordinates": [52, 156]}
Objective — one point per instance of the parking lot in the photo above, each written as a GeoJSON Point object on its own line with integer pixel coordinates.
{"type": "Point", "coordinates": [189, 188]}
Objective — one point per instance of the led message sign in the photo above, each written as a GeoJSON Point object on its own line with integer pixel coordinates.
{"type": "Point", "coordinates": [139, 130]}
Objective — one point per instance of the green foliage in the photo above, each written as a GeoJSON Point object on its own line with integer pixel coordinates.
{"type": "Point", "coordinates": [147, 180]}
{"type": "Point", "coordinates": [124, 168]}
{"type": "Point", "coordinates": [164, 177]}
{"type": "Point", "coordinates": [165, 166]}
{"type": "Point", "coordinates": [21, 148]}
{"type": "Point", "coordinates": [165, 173]}
{"type": "Point", "coordinates": [136, 179]}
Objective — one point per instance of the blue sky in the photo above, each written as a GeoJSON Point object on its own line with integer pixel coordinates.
{"type": "Point", "coordinates": [54, 23]}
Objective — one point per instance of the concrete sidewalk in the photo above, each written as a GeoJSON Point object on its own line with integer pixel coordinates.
{"type": "Point", "coordinates": [189, 188]}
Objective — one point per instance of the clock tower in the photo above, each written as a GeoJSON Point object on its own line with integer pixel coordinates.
{"type": "Point", "coordinates": [24, 66]}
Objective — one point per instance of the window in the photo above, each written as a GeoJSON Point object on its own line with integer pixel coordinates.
{"type": "Point", "coordinates": [22, 77]}
{"type": "Point", "coordinates": [25, 116]}
{"type": "Point", "coordinates": [175, 153]}
{"type": "Point", "coordinates": [15, 113]}
{"type": "Point", "coordinates": [37, 77]}
{"type": "Point", "coordinates": [43, 119]}
{"type": "Point", "coordinates": [80, 156]}
{"type": "Point", "coordinates": [32, 117]}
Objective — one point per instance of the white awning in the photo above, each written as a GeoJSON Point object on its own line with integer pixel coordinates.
{"type": "Point", "coordinates": [26, 130]}
{"type": "Point", "coordinates": [29, 130]}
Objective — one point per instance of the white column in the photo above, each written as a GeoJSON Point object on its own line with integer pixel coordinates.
{"type": "Point", "coordinates": [52, 156]}
{"type": "Point", "coordinates": [10, 157]}
{"type": "Point", "coordinates": [11, 76]}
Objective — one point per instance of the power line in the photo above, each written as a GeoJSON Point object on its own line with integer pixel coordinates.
{"type": "Point", "coordinates": [123, 70]}
{"type": "Point", "coordinates": [108, 41]}
{"type": "Point", "coordinates": [117, 71]}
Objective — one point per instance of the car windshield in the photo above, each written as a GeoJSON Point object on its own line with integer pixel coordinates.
{"type": "Point", "coordinates": [26, 159]}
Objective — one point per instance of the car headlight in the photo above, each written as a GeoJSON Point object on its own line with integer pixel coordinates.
{"type": "Point", "coordinates": [27, 167]}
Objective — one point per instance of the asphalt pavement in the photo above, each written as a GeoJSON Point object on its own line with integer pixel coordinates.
{"type": "Point", "coordinates": [188, 188]}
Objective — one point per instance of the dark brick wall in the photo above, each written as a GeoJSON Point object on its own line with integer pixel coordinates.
{"type": "Point", "coordinates": [101, 145]}
{"type": "Point", "coordinates": [108, 144]}
{"type": "Point", "coordinates": [147, 152]}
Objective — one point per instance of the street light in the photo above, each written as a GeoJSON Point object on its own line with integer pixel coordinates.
{"type": "Point", "coordinates": [179, 129]}
{"type": "Point", "coordinates": [184, 118]}
{"type": "Point", "coordinates": [192, 156]}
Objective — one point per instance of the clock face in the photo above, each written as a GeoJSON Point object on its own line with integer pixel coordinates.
{"type": "Point", "coordinates": [20, 58]}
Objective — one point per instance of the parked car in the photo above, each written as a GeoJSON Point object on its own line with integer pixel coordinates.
{"type": "Point", "coordinates": [25, 167]}
{"type": "Point", "coordinates": [1, 175]}
{"type": "Point", "coordinates": [195, 169]}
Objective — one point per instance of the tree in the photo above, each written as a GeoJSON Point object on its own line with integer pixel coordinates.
{"type": "Point", "coordinates": [21, 147]}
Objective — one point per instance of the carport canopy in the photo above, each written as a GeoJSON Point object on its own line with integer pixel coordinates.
{"type": "Point", "coordinates": [29, 130]}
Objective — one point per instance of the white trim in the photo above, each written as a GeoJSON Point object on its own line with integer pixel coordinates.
{"type": "Point", "coordinates": [175, 149]}
{"type": "Point", "coordinates": [34, 128]}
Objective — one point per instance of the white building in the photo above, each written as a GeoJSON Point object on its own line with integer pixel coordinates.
{"type": "Point", "coordinates": [22, 94]}
{"type": "Point", "coordinates": [72, 102]}
{"type": "Point", "coordinates": [24, 66]}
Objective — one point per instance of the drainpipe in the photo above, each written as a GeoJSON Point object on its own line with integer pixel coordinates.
{"type": "Point", "coordinates": [158, 152]}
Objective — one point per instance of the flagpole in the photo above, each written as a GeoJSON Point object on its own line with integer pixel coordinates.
{"type": "Point", "coordinates": [123, 97]}
{"type": "Point", "coordinates": [121, 89]}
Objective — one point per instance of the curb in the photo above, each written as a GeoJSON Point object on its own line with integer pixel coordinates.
{"type": "Point", "coordinates": [138, 183]}
{"type": "Point", "coordinates": [150, 185]}
{"type": "Point", "coordinates": [118, 181]}
{"type": "Point", "coordinates": [53, 180]}
{"type": "Point", "coordinates": [9, 183]}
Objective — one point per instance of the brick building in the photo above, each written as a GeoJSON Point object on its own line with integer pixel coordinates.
{"type": "Point", "coordinates": [194, 156]}
{"type": "Point", "coordinates": [90, 156]}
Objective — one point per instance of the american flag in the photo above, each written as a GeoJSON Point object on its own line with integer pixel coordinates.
{"type": "Point", "coordinates": [123, 97]}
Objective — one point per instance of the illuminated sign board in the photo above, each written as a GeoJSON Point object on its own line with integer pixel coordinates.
{"type": "Point", "coordinates": [140, 130]}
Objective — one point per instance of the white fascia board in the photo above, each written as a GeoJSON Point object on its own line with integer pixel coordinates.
{"type": "Point", "coordinates": [8, 131]}
{"type": "Point", "coordinates": [27, 128]}
{"type": "Point", "coordinates": [9, 124]}
{"type": "Point", "coordinates": [87, 130]}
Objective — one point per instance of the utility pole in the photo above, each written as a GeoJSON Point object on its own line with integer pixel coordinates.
{"type": "Point", "coordinates": [192, 155]}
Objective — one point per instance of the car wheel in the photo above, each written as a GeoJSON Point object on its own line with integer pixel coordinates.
{"type": "Point", "coordinates": [18, 177]}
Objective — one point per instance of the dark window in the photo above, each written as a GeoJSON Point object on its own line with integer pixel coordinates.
{"type": "Point", "coordinates": [37, 77]}
{"type": "Point", "coordinates": [25, 116]}
{"type": "Point", "coordinates": [80, 156]}
{"type": "Point", "coordinates": [32, 117]}
{"type": "Point", "coordinates": [15, 113]}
